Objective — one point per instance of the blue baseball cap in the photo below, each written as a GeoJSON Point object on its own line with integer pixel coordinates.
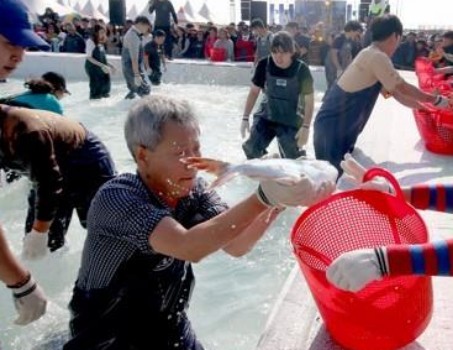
{"type": "Point", "coordinates": [16, 25]}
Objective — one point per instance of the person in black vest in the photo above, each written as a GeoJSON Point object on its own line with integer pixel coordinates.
{"type": "Point", "coordinates": [154, 57]}
{"type": "Point", "coordinates": [287, 109]}
{"type": "Point", "coordinates": [164, 9]}
{"type": "Point", "coordinates": [132, 59]}
{"type": "Point", "coordinates": [96, 65]}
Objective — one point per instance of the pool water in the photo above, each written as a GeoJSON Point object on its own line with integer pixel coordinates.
{"type": "Point", "coordinates": [232, 297]}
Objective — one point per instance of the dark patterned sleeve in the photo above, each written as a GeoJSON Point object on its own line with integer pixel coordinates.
{"type": "Point", "coordinates": [126, 216]}
{"type": "Point", "coordinates": [209, 204]}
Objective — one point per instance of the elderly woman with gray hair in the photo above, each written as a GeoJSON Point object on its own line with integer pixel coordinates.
{"type": "Point", "coordinates": [145, 230]}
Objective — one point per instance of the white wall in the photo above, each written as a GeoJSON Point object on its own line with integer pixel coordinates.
{"type": "Point", "coordinates": [72, 66]}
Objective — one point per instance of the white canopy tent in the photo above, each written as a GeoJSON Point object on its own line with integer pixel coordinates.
{"type": "Point", "coordinates": [205, 12]}
{"type": "Point", "coordinates": [37, 7]}
{"type": "Point", "coordinates": [183, 16]}
{"type": "Point", "coordinates": [90, 10]}
{"type": "Point", "coordinates": [217, 11]}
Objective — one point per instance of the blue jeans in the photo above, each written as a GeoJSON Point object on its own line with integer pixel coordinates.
{"type": "Point", "coordinates": [84, 171]}
{"type": "Point", "coordinates": [264, 131]}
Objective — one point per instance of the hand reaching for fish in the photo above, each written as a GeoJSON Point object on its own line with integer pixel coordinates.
{"type": "Point", "coordinates": [284, 182]}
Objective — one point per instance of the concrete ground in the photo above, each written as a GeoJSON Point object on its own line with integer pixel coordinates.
{"type": "Point", "coordinates": [390, 140]}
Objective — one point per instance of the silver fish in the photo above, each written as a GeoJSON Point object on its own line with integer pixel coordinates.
{"type": "Point", "coordinates": [284, 171]}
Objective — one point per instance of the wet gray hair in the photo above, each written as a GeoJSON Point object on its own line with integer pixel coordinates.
{"type": "Point", "coordinates": [146, 119]}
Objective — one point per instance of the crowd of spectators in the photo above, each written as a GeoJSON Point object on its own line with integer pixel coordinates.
{"type": "Point", "coordinates": [238, 42]}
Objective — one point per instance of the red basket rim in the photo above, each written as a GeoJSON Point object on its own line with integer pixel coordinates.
{"type": "Point", "coordinates": [309, 211]}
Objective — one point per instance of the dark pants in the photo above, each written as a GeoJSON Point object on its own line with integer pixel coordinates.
{"type": "Point", "coordinates": [155, 77]}
{"type": "Point", "coordinates": [129, 76]}
{"type": "Point", "coordinates": [168, 44]}
{"type": "Point", "coordinates": [330, 145]}
{"type": "Point", "coordinates": [104, 320]}
{"type": "Point", "coordinates": [86, 170]}
{"type": "Point", "coordinates": [263, 132]}
{"type": "Point", "coordinates": [99, 81]}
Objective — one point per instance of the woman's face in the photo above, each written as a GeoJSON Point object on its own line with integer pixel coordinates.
{"type": "Point", "coordinates": [102, 36]}
{"type": "Point", "coordinates": [282, 59]}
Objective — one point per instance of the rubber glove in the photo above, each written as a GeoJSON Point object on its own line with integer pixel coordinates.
{"type": "Point", "coordinates": [443, 102]}
{"type": "Point", "coordinates": [355, 172]}
{"type": "Point", "coordinates": [30, 302]}
{"type": "Point", "coordinates": [245, 127]}
{"type": "Point", "coordinates": [35, 245]}
{"type": "Point", "coordinates": [302, 193]}
{"type": "Point", "coordinates": [302, 136]}
{"type": "Point", "coordinates": [105, 69]}
{"type": "Point", "coordinates": [353, 270]}
{"type": "Point", "coordinates": [138, 81]}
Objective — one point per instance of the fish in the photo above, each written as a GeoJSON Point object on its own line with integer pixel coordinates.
{"type": "Point", "coordinates": [282, 170]}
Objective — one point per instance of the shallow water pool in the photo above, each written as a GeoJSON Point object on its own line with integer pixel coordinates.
{"type": "Point", "coordinates": [232, 297]}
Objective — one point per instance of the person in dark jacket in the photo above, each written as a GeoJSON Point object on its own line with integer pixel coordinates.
{"type": "Point", "coordinates": [66, 164]}
{"type": "Point", "coordinates": [154, 57]}
{"type": "Point", "coordinates": [96, 65]}
{"type": "Point", "coordinates": [164, 9]}
{"type": "Point", "coordinates": [73, 42]}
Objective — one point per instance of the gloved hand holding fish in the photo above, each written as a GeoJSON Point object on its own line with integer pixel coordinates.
{"type": "Point", "coordinates": [354, 172]}
{"type": "Point", "coordinates": [283, 182]}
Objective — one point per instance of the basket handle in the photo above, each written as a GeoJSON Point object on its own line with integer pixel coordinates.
{"type": "Point", "coordinates": [375, 172]}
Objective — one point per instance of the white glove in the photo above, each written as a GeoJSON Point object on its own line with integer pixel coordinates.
{"type": "Point", "coordinates": [355, 172]}
{"type": "Point", "coordinates": [105, 69]}
{"type": "Point", "coordinates": [442, 102]}
{"type": "Point", "coordinates": [30, 302]}
{"type": "Point", "coordinates": [138, 81]}
{"type": "Point", "coordinates": [353, 270]}
{"type": "Point", "coordinates": [304, 192]}
{"type": "Point", "coordinates": [302, 136]}
{"type": "Point", "coordinates": [35, 245]}
{"type": "Point", "coordinates": [339, 73]}
{"type": "Point", "coordinates": [245, 127]}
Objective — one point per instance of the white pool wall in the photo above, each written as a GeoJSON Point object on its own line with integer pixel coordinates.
{"type": "Point", "coordinates": [180, 71]}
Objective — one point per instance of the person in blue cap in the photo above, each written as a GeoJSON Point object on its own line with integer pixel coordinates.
{"type": "Point", "coordinates": [16, 34]}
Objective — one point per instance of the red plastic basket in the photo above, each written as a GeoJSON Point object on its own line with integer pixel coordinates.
{"type": "Point", "coordinates": [436, 130]}
{"type": "Point", "coordinates": [387, 314]}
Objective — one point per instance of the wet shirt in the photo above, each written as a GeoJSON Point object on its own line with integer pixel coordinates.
{"type": "Point", "coordinates": [132, 43]}
{"type": "Point", "coordinates": [38, 146]}
{"type": "Point", "coordinates": [305, 77]}
{"type": "Point", "coordinates": [122, 216]}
